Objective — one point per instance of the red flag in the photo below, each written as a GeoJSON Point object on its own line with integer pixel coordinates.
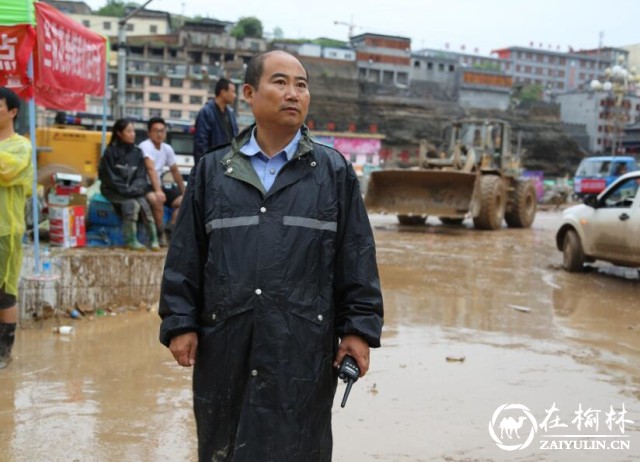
{"type": "Point", "coordinates": [71, 60]}
{"type": "Point", "coordinates": [16, 44]}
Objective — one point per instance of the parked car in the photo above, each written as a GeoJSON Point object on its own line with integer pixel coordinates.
{"type": "Point", "coordinates": [606, 227]}
{"type": "Point", "coordinates": [594, 174]}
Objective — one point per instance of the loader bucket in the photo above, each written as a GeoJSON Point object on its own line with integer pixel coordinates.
{"type": "Point", "coordinates": [420, 192]}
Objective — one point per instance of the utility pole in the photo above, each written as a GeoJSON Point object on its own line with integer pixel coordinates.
{"type": "Point", "coordinates": [122, 60]}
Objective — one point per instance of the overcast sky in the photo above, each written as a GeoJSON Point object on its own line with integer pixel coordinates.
{"type": "Point", "coordinates": [474, 24]}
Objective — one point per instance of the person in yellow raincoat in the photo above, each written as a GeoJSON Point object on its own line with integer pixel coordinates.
{"type": "Point", "coordinates": [16, 179]}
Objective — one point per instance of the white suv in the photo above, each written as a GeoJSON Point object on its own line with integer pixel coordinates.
{"type": "Point", "coordinates": [606, 227]}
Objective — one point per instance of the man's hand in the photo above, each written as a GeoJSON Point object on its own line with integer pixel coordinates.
{"type": "Point", "coordinates": [161, 196]}
{"type": "Point", "coordinates": [183, 348]}
{"type": "Point", "coordinates": [357, 347]}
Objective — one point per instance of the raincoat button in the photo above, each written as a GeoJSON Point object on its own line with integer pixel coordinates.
{"type": "Point", "coordinates": [228, 161]}
{"type": "Point", "coordinates": [258, 291]}
{"type": "Point", "coordinates": [263, 209]}
{"type": "Point", "coordinates": [230, 170]}
{"type": "Point", "coordinates": [272, 171]}
{"type": "Point", "coordinates": [313, 164]}
{"type": "Point", "coordinates": [320, 318]}
{"type": "Point", "coordinates": [254, 372]}
{"type": "Point", "coordinates": [213, 317]}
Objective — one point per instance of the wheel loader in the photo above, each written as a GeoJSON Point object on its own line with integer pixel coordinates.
{"type": "Point", "coordinates": [477, 175]}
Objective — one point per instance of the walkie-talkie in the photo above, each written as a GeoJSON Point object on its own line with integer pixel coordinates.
{"type": "Point", "coordinates": [349, 372]}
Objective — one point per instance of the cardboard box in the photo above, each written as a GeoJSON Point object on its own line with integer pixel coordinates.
{"type": "Point", "coordinates": [67, 226]}
{"type": "Point", "coordinates": [66, 200]}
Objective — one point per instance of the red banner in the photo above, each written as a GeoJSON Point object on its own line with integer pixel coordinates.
{"type": "Point", "coordinates": [70, 57]}
{"type": "Point", "coordinates": [16, 44]}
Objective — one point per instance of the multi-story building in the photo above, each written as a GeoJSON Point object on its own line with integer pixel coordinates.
{"type": "Point", "coordinates": [145, 22]}
{"type": "Point", "coordinates": [383, 59]}
{"type": "Point", "coordinates": [556, 71]}
{"type": "Point", "coordinates": [604, 122]}
{"type": "Point", "coordinates": [173, 75]}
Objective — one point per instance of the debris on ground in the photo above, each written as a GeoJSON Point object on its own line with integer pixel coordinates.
{"type": "Point", "coordinates": [522, 309]}
{"type": "Point", "coordinates": [453, 359]}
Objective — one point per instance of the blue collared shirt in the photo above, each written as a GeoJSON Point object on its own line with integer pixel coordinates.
{"type": "Point", "coordinates": [266, 167]}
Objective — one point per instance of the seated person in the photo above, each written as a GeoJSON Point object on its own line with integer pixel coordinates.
{"type": "Point", "coordinates": [157, 155]}
{"type": "Point", "coordinates": [123, 178]}
{"type": "Point", "coordinates": [621, 169]}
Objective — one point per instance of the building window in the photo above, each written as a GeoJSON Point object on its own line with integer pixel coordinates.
{"type": "Point", "coordinates": [155, 112]}
{"type": "Point", "coordinates": [452, 68]}
{"type": "Point", "coordinates": [175, 98]}
{"type": "Point", "coordinates": [517, 67]}
{"type": "Point", "coordinates": [416, 64]}
{"type": "Point", "coordinates": [106, 25]}
{"type": "Point", "coordinates": [387, 77]}
{"type": "Point", "coordinates": [86, 23]}
{"type": "Point", "coordinates": [155, 81]}
{"type": "Point", "coordinates": [130, 27]}
{"type": "Point", "coordinates": [193, 115]}
{"type": "Point", "coordinates": [430, 66]}
{"type": "Point", "coordinates": [196, 85]}
{"type": "Point", "coordinates": [195, 99]}
{"type": "Point", "coordinates": [332, 54]}
{"type": "Point", "coordinates": [153, 29]}
{"type": "Point", "coordinates": [155, 97]}
{"type": "Point", "coordinates": [402, 78]}
{"type": "Point", "coordinates": [441, 67]}
{"type": "Point", "coordinates": [175, 114]}
{"type": "Point", "coordinates": [175, 83]}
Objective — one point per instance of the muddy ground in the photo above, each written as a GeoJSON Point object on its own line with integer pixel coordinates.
{"type": "Point", "coordinates": [474, 320]}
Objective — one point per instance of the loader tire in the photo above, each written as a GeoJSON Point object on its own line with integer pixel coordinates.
{"type": "Point", "coordinates": [412, 220]}
{"type": "Point", "coordinates": [492, 203]}
{"type": "Point", "coordinates": [524, 205]}
{"type": "Point", "coordinates": [451, 221]}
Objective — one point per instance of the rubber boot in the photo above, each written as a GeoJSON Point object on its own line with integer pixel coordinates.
{"type": "Point", "coordinates": [162, 237]}
{"type": "Point", "coordinates": [130, 231]}
{"type": "Point", "coordinates": [153, 236]}
{"type": "Point", "coordinates": [7, 336]}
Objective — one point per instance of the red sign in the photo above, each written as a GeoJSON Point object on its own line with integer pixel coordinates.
{"type": "Point", "coordinates": [592, 186]}
{"type": "Point", "coordinates": [16, 44]}
{"type": "Point", "coordinates": [70, 57]}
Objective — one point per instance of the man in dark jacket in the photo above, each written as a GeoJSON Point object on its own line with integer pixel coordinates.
{"type": "Point", "coordinates": [216, 122]}
{"type": "Point", "coordinates": [270, 280]}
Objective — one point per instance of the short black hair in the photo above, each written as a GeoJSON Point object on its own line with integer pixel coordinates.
{"type": "Point", "coordinates": [155, 120]}
{"type": "Point", "coordinates": [256, 66]}
{"type": "Point", "coordinates": [11, 99]}
{"type": "Point", "coordinates": [222, 85]}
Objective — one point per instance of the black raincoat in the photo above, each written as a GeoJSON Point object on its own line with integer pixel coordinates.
{"type": "Point", "coordinates": [270, 281]}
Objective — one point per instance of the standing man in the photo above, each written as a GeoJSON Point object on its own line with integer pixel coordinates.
{"type": "Point", "coordinates": [16, 179]}
{"type": "Point", "coordinates": [157, 156]}
{"type": "Point", "coordinates": [216, 122]}
{"type": "Point", "coordinates": [270, 280]}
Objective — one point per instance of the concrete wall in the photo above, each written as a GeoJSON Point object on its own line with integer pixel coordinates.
{"type": "Point", "coordinates": [478, 99]}
{"type": "Point", "coordinates": [95, 277]}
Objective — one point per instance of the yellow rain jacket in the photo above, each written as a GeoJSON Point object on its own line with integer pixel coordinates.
{"type": "Point", "coordinates": [16, 180]}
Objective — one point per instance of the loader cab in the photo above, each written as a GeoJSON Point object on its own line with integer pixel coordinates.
{"type": "Point", "coordinates": [489, 140]}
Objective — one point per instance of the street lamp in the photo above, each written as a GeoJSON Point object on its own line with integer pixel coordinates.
{"type": "Point", "coordinates": [618, 82]}
{"type": "Point", "coordinates": [122, 59]}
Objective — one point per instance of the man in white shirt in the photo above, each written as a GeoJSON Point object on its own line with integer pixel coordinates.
{"type": "Point", "coordinates": [157, 155]}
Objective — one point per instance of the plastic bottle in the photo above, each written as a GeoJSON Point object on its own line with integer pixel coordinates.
{"type": "Point", "coordinates": [46, 262]}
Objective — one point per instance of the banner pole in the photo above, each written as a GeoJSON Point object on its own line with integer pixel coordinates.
{"type": "Point", "coordinates": [34, 152]}
{"type": "Point", "coordinates": [104, 108]}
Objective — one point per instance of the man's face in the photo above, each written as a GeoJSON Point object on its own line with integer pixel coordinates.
{"type": "Point", "coordinates": [158, 133]}
{"type": "Point", "coordinates": [229, 95]}
{"type": "Point", "coordinates": [6, 115]}
{"type": "Point", "coordinates": [282, 98]}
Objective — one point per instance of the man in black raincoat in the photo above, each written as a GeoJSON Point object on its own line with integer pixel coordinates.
{"type": "Point", "coordinates": [270, 280]}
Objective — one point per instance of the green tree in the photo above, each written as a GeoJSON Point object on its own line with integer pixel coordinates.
{"type": "Point", "coordinates": [116, 8]}
{"type": "Point", "coordinates": [247, 27]}
{"type": "Point", "coordinates": [531, 93]}
{"type": "Point", "coordinates": [278, 33]}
